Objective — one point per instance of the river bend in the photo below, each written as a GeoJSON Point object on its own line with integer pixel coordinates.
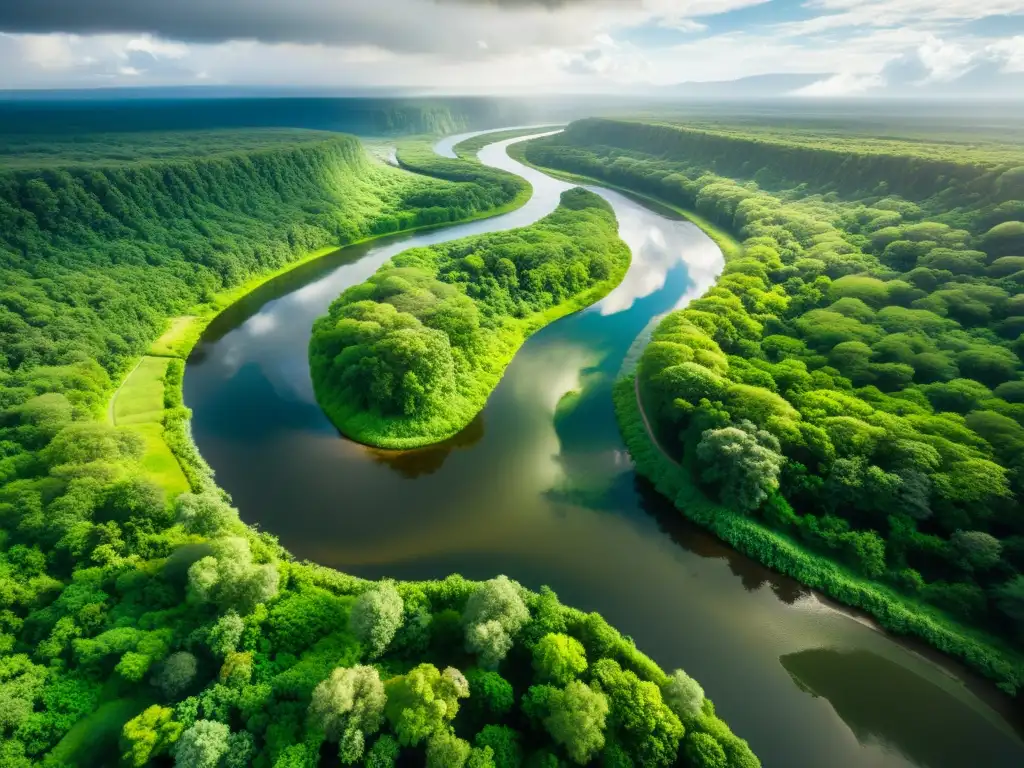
{"type": "Point", "coordinates": [540, 487]}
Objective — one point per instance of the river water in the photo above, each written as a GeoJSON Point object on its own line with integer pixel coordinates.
{"type": "Point", "coordinates": [540, 487]}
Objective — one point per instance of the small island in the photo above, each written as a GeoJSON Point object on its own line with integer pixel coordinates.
{"type": "Point", "coordinates": [409, 357]}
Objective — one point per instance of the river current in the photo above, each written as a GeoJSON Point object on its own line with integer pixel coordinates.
{"type": "Point", "coordinates": [540, 487]}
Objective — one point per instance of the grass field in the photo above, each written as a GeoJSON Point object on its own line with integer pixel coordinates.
{"type": "Point", "coordinates": [179, 339]}
{"type": "Point", "coordinates": [139, 405]}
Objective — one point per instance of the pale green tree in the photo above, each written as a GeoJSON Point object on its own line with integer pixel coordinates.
{"type": "Point", "coordinates": [202, 745]}
{"type": "Point", "coordinates": [376, 617]}
{"type": "Point", "coordinates": [225, 634]}
{"type": "Point", "coordinates": [176, 673]}
{"type": "Point", "coordinates": [576, 720]}
{"type": "Point", "coordinates": [683, 695]}
{"type": "Point", "coordinates": [745, 462]}
{"type": "Point", "coordinates": [446, 750]}
{"type": "Point", "coordinates": [493, 616]}
{"type": "Point", "coordinates": [347, 707]}
{"type": "Point", "coordinates": [230, 579]}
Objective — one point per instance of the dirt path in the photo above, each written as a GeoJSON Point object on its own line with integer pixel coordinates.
{"type": "Point", "coordinates": [113, 398]}
{"type": "Point", "coordinates": [647, 423]}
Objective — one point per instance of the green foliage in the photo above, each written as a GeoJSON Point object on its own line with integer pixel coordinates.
{"type": "Point", "coordinates": [702, 751]}
{"type": "Point", "coordinates": [744, 460]}
{"type": "Point", "coordinates": [229, 578]}
{"type": "Point", "coordinates": [384, 753]}
{"type": "Point", "coordinates": [422, 702]}
{"type": "Point", "coordinates": [576, 720]}
{"type": "Point", "coordinates": [639, 719]}
{"type": "Point", "coordinates": [176, 674]}
{"type": "Point", "coordinates": [376, 617]}
{"type": "Point", "coordinates": [490, 695]}
{"type": "Point", "coordinates": [558, 659]}
{"type": "Point", "coordinates": [869, 332]}
{"type": "Point", "coordinates": [347, 707]}
{"type": "Point", "coordinates": [683, 695]}
{"type": "Point", "coordinates": [494, 614]}
{"type": "Point", "coordinates": [410, 356]}
{"type": "Point", "coordinates": [503, 743]}
{"type": "Point", "coordinates": [149, 735]}
{"type": "Point", "coordinates": [117, 590]}
{"type": "Point", "coordinates": [445, 750]}
{"type": "Point", "coordinates": [202, 745]}
{"type": "Point", "coordinates": [226, 634]}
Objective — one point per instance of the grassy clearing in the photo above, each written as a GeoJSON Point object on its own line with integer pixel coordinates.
{"type": "Point", "coordinates": [182, 334]}
{"type": "Point", "coordinates": [178, 339]}
{"type": "Point", "coordinates": [139, 405]}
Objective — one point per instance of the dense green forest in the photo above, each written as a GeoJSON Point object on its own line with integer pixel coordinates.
{"type": "Point", "coordinates": [22, 122]}
{"type": "Point", "coordinates": [96, 256]}
{"type": "Point", "coordinates": [409, 357]}
{"type": "Point", "coordinates": [853, 381]}
{"type": "Point", "coordinates": [140, 629]}
{"type": "Point", "coordinates": [468, 148]}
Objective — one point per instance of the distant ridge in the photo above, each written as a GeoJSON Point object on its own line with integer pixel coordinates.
{"type": "Point", "coordinates": [753, 87]}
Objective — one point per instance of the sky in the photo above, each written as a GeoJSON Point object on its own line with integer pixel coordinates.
{"type": "Point", "coordinates": [841, 47]}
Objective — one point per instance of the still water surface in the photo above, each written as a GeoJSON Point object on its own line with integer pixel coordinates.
{"type": "Point", "coordinates": [545, 492]}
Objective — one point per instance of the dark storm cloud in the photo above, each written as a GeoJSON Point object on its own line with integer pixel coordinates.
{"type": "Point", "coordinates": [402, 25]}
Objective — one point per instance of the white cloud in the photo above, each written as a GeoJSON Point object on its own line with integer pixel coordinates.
{"type": "Point", "coordinates": [945, 60]}
{"type": "Point", "coordinates": [158, 49]}
{"type": "Point", "coordinates": [844, 84]}
{"type": "Point", "coordinates": [1010, 51]}
{"type": "Point", "coordinates": [890, 13]}
{"type": "Point", "coordinates": [492, 47]}
{"type": "Point", "coordinates": [48, 52]}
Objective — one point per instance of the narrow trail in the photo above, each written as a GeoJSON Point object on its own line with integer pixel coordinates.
{"type": "Point", "coordinates": [113, 397]}
{"type": "Point", "coordinates": [647, 423]}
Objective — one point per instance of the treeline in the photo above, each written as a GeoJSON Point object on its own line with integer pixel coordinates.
{"type": "Point", "coordinates": [959, 177]}
{"type": "Point", "coordinates": [409, 357]}
{"type": "Point", "coordinates": [137, 629]}
{"type": "Point", "coordinates": [142, 632]}
{"type": "Point", "coordinates": [853, 380]}
{"type": "Point", "coordinates": [468, 148]}
{"type": "Point", "coordinates": [494, 187]}
{"type": "Point", "coordinates": [95, 257]}
{"type": "Point", "coordinates": [22, 121]}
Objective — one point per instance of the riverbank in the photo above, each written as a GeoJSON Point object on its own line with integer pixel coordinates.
{"type": "Point", "coordinates": [980, 651]}
{"type": "Point", "coordinates": [557, 501]}
{"type": "Point", "coordinates": [729, 245]}
{"type": "Point", "coordinates": [480, 302]}
{"type": "Point", "coordinates": [166, 430]}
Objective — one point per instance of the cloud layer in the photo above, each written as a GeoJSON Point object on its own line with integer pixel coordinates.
{"type": "Point", "coordinates": [863, 46]}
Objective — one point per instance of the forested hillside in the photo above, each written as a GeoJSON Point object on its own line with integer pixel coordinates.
{"type": "Point", "coordinates": [96, 256]}
{"type": "Point", "coordinates": [139, 627]}
{"type": "Point", "coordinates": [952, 175]}
{"type": "Point", "coordinates": [409, 357]}
{"type": "Point", "coordinates": [854, 380]}
{"type": "Point", "coordinates": [23, 121]}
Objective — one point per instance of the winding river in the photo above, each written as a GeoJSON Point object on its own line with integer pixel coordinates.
{"type": "Point", "coordinates": [540, 487]}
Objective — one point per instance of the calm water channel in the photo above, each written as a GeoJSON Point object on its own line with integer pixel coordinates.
{"type": "Point", "coordinates": [547, 494]}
